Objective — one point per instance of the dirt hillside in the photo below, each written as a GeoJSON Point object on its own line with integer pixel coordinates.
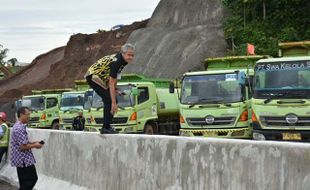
{"type": "Point", "coordinates": [61, 66]}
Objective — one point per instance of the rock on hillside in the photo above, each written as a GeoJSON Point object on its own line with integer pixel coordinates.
{"type": "Point", "coordinates": [179, 36]}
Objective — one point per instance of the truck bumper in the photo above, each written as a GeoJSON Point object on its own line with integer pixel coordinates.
{"type": "Point", "coordinates": [125, 128]}
{"type": "Point", "coordinates": [238, 133]}
{"type": "Point", "coordinates": [288, 135]}
{"type": "Point", "coordinates": [38, 125]}
{"type": "Point", "coordinates": [65, 126]}
{"type": "Point", "coordinates": [118, 128]}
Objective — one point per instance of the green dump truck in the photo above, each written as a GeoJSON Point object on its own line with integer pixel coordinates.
{"type": "Point", "coordinates": [281, 95]}
{"type": "Point", "coordinates": [45, 106]}
{"type": "Point", "coordinates": [71, 103]}
{"type": "Point", "coordinates": [147, 107]}
{"type": "Point", "coordinates": [215, 103]}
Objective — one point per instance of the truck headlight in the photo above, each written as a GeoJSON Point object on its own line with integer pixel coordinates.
{"type": "Point", "coordinates": [185, 133]}
{"type": "Point", "coordinates": [129, 129]}
{"type": "Point", "coordinates": [258, 136]}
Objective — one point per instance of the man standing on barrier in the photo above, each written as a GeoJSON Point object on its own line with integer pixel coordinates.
{"type": "Point", "coordinates": [102, 77]}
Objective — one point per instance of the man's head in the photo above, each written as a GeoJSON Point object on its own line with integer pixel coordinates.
{"type": "Point", "coordinates": [128, 52]}
{"type": "Point", "coordinates": [80, 113]}
{"type": "Point", "coordinates": [23, 114]}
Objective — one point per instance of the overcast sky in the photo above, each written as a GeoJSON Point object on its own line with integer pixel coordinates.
{"type": "Point", "coordinates": [29, 28]}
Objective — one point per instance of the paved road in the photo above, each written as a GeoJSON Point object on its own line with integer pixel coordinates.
{"type": "Point", "coordinates": [6, 186]}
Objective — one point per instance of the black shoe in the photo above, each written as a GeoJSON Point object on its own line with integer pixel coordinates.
{"type": "Point", "coordinates": [108, 131]}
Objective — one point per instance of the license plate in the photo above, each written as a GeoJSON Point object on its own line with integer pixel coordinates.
{"type": "Point", "coordinates": [291, 136]}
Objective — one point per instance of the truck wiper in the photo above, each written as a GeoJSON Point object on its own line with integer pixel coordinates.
{"type": "Point", "coordinates": [227, 104]}
{"type": "Point", "coordinates": [203, 100]}
{"type": "Point", "coordinates": [99, 108]}
{"type": "Point", "coordinates": [287, 95]}
{"type": "Point", "coordinates": [120, 107]}
{"type": "Point", "coordinates": [273, 97]}
{"type": "Point", "coordinates": [71, 109]}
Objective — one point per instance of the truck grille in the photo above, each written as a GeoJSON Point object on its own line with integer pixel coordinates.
{"type": "Point", "coordinates": [67, 120]}
{"type": "Point", "coordinates": [34, 119]}
{"type": "Point", "coordinates": [217, 121]}
{"type": "Point", "coordinates": [271, 121]}
{"type": "Point", "coordinates": [116, 120]}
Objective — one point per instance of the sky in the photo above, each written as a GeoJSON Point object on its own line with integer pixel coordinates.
{"type": "Point", "coordinates": [29, 28]}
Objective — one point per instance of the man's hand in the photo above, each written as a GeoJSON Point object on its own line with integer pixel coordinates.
{"type": "Point", "coordinates": [37, 145]}
{"type": "Point", "coordinates": [121, 93]}
{"type": "Point", "coordinates": [114, 109]}
{"type": "Point", "coordinates": [31, 146]}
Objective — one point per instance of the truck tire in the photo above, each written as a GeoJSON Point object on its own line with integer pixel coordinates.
{"type": "Point", "coordinates": [55, 125]}
{"type": "Point", "coordinates": [150, 129]}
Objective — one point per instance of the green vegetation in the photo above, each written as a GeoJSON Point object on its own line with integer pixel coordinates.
{"type": "Point", "coordinates": [3, 55]}
{"type": "Point", "coordinates": [265, 23]}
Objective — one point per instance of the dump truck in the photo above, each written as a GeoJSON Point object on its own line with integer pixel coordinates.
{"type": "Point", "coordinates": [146, 107]}
{"type": "Point", "coordinates": [73, 102]}
{"type": "Point", "coordinates": [281, 95]}
{"type": "Point", "coordinates": [216, 102]}
{"type": "Point", "coordinates": [70, 105]}
{"type": "Point", "coordinates": [293, 49]}
{"type": "Point", "coordinates": [44, 105]}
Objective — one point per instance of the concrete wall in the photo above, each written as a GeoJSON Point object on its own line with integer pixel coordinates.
{"type": "Point", "coordinates": [77, 160]}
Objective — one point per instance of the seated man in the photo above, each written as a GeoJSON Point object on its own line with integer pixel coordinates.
{"type": "Point", "coordinates": [78, 123]}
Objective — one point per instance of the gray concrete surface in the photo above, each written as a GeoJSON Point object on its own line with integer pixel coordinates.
{"type": "Point", "coordinates": [6, 186]}
{"type": "Point", "coordinates": [77, 160]}
{"type": "Point", "coordinates": [179, 36]}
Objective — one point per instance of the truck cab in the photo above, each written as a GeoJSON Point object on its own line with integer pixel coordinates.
{"type": "Point", "coordinates": [281, 99]}
{"type": "Point", "coordinates": [44, 106]}
{"type": "Point", "coordinates": [126, 118]}
{"type": "Point", "coordinates": [216, 102]}
{"type": "Point", "coordinates": [145, 107]}
{"type": "Point", "coordinates": [71, 103]}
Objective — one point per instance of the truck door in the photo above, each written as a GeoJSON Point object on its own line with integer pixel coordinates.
{"type": "Point", "coordinates": [144, 107]}
{"type": "Point", "coordinates": [52, 108]}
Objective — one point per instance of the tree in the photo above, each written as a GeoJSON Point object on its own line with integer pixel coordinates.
{"type": "Point", "coordinates": [3, 54]}
{"type": "Point", "coordinates": [13, 61]}
{"type": "Point", "coordinates": [265, 23]}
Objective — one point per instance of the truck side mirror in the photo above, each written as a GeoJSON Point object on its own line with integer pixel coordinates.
{"type": "Point", "coordinates": [242, 78]}
{"type": "Point", "coordinates": [171, 87]}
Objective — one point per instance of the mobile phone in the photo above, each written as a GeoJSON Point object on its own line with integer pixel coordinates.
{"type": "Point", "coordinates": [42, 142]}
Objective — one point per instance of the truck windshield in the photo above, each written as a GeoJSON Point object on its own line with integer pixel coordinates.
{"type": "Point", "coordinates": [72, 101]}
{"type": "Point", "coordinates": [282, 80]}
{"type": "Point", "coordinates": [204, 89]}
{"type": "Point", "coordinates": [34, 103]}
{"type": "Point", "coordinates": [125, 100]}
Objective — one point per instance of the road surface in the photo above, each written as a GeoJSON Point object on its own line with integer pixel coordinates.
{"type": "Point", "coordinates": [6, 186]}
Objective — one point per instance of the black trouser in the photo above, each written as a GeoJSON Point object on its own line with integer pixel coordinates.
{"type": "Point", "coordinates": [106, 98]}
{"type": "Point", "coordinates": [27, 177]}
{"type": "Point", "coordinates": [2, 151]}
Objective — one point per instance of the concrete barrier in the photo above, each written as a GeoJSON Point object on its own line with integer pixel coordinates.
{"type": "Point", "coordinates": [77, 160]}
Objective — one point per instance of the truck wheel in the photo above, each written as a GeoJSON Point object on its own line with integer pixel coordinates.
{"type": "Point", "coordinates": [150, 129]}
{"type": "Point", "coordinates": [55, 125]}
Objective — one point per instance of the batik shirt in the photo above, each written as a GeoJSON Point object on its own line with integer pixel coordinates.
{"type": "Point", "coordinates": [19, 136]}
{"type": "Point", "coordinates": [106, 67]}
